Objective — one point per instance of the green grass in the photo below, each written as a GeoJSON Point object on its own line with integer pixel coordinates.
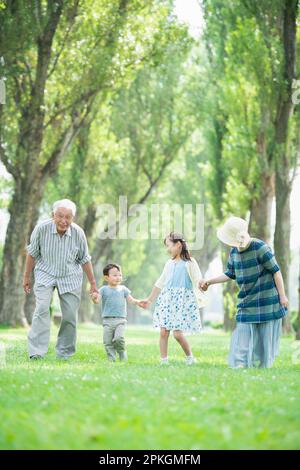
{"type": "Point", "coordinates": [88, 403]}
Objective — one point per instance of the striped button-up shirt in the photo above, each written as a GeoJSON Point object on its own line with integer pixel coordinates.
{"type": "Point", "coordinates": [58, 259]}
{"type": "Point", "coordinates": [253, 270]}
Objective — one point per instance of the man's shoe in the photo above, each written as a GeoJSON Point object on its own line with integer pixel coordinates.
{"type": "Point", "coordinates": [111, 359]}
{"type": "Point", "coordinates": [35, 357]}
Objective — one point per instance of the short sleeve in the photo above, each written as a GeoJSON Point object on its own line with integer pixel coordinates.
{"type": "Point", "coordinates": [102, 290]}
{"type": "Point", "coordinates": [230, 272]}
{"type": "Point", "coordinates": [267, 258]}
{"type": "Point", "coordinates": [161, 280]}
{"type": "Point", "coordinates": [195, 271]}
{"type": "Point", "coordinates": [83, 253]}
{"type": "Point", "coordinates": [33, 249]}
{"type": "Point", "coordinates": [126, 291]}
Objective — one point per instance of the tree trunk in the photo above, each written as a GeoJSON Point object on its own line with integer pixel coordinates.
{"type": "Point", "coordinates": [22, 207]}
{"type": "Point", "coordinates": [282, 231]}
{"type": "Point", "coordinates": [282, 160]}
{"type": "Point", "coordinates": [261, 208]}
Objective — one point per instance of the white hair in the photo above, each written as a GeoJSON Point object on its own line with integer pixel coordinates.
{"type": "Point", "coordinates": [66, 204]}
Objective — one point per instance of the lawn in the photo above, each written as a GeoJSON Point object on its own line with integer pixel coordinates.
{"type": "Point", "coordinates": [88, 403]}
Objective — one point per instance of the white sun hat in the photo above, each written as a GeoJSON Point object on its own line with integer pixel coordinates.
{"type": "Point", "coordinates": [234, 232]}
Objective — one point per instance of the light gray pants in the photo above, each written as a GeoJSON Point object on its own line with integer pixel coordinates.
{"type": "Point", "coordinates": [255, 344]}
{"type": "Point", "coordinates": [39, 334]}
{"type": "Point", "coordinates": [113, 336]}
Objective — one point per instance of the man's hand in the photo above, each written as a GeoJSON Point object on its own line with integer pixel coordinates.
{"type": "Point", "coordinates": [26, 284]}
{"type": "Point", "coordinates": [88, 269]}
{"type": "Point", "coordinates": [203, 285]}
{"type": "Point", "coordinates": [93, 288]}
{"type": "Point", "coordinates": [29, 265]}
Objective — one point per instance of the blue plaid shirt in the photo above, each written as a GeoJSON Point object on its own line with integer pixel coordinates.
{"type": "Point", "coordinates": [253, 270]}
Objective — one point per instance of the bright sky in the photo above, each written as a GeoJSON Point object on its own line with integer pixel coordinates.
{"type": "Point", "coordinates": [190, 12]}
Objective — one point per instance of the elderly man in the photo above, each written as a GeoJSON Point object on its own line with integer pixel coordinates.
{"type": "Point", "coordinates": [58, 249]}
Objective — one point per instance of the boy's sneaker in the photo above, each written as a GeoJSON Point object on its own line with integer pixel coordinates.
{"type": "Point", "coordinates": [190, 360]}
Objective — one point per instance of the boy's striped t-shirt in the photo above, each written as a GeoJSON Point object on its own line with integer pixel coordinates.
{"type": "Point", "coordinates": [253, 270]}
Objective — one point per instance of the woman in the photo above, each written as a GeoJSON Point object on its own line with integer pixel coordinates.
{"type": "Point", "coordinates": [262, 300]}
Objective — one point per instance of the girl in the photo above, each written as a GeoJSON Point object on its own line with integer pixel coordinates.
{"type": "Point", "coordinates": [177, 307]}
{"type": "Point", "coordinates": [263, 302]}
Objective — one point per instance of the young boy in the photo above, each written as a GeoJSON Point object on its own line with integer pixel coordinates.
{"type": "Point", "coordinates": [114, 311]}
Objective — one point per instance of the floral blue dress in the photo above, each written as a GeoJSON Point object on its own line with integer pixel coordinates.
{"type": "Point", "coordinates": [176, 306]}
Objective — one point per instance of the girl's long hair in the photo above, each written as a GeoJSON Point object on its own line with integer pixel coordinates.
{"type": "Point", "coordinates": [178, 237]}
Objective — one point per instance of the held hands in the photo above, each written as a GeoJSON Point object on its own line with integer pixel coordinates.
{"type": "Point", "coordinates": [142, 303]}
{"type": "Point", "coordinates": [93, 288]}
{"type": "Point", "coordinates": [145, 303]}
{"type": "Point", "coordinates": [95, 297]}
{"type": "Point", "coordinates": [94, 294]}
{"type": "Point", "coordinates": [203, 285]}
